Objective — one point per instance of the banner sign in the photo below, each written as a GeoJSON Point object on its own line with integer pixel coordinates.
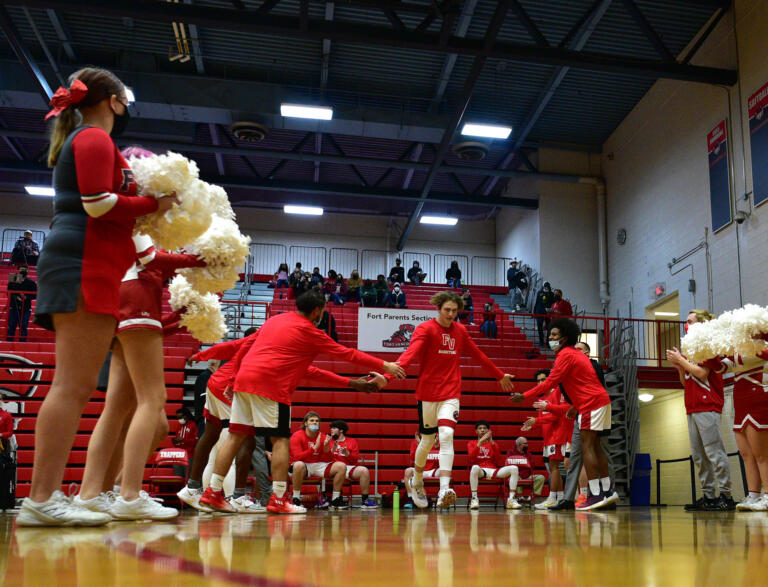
{"type": "Point", "coordinates": [757, 106]}
{"type": "Point", "coordinates": [386, 330]}
{"type": "Point", "coordinates": [719, 180]}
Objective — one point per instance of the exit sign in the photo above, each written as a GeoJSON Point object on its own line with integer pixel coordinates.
{"type": "Point", "coordinates": [658, 290]}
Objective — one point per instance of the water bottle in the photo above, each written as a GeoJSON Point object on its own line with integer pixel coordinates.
{"type": "Point", "coordinates": [396, 499]}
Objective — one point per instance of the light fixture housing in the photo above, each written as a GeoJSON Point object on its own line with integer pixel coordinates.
{"type": "Point", "coordinates": [305, 111]}
{"type": "Point", "coordinates": [129, 95]}
{"type": "Point", "coordinates": [489, 131]}
{"type": "Point", "coordinates": [306, 210]}
{"type": "Point", "coordinates": [645, 397]}
{"type": "Point", "coordinates": [667, 314]}
{"type": "Point", "coordinates": [40, 190]}
{"type": "Point", "coordinates": [441, 220]}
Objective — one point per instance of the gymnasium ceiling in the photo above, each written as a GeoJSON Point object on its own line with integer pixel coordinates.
{"type": "Point", "coordinates": [401, 76]}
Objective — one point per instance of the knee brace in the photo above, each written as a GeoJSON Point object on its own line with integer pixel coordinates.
{"type": "Point", "coordinates": [446, 447]}
{"type": "Point", "coordinates": [422, 451]}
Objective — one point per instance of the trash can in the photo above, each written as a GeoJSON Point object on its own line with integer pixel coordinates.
{"type": "Point", "coordinates": [640, 488]}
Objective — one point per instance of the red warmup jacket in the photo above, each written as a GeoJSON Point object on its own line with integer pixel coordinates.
{"type": "Point", "coordinates": [486, 455]}
{"type": "Point", "coordinates": [337, 451]}
{"type": "Point", "coordinates": [438, 352]}
{"type": "Point", "coordinates": [556, 427]}
{"type": "Point", "coordinates": [186, 437]}
{"type": "Point", "coordinates": [575, 372]}
{"type": "Point", "coordinates": [303, 448]}
{"type": "Point", "coordinates": [705, 396]}
{"type": "Point", "coordinates": [6, 425]}
{"type": "Point", "coordinates": [280, 353]}
{"type": "Point", "coordinates": [521, 461]}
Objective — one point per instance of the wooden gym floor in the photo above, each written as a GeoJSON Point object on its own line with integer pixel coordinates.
{"type": "Point", "coordinates": [630, 546]}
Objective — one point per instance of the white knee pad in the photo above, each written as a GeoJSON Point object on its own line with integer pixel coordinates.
{"type": "Point", "coordinates": [446, 448]}
{"type": "Point", "coordinates": [474, 477]}
{"type": "Point", "coordinates": [422, 451]}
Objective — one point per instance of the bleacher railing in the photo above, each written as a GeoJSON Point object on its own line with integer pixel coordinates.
{"type": "Point", "coordinates": [489, 270]}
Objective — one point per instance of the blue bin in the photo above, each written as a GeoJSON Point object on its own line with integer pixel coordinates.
{"type": "Point", "coordinates": [640, 488]}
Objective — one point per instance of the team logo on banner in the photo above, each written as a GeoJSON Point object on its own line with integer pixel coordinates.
{"type": "Point", "coordinates": [19, 378]}
{"type": "Point", "coordinates": [401, 338]}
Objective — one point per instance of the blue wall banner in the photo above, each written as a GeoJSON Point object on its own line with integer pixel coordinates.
{"type": "Point", "coordinates": [719, 181]}
{"type": "Point", "coordinates": [757, 106]}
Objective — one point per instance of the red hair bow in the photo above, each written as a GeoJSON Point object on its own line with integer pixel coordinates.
{"type": "Point", "coordinates": [64, 98]}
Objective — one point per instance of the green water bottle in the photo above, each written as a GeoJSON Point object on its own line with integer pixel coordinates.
{"type": "Point", "coordinates": [396, 499]}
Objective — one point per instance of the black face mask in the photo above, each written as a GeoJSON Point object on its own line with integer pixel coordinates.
{"type": "Point", "coordinates": [23, 273]}
{"type": "Point", "coordinates": [121, 122]}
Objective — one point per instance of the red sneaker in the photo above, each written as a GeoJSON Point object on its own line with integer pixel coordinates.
{"type": "Point", "coordinates": [283, 505]}
{"type": "Point", "coordinates": [580, 500]}
{"type": "Point", "coordinates": [216, 501]}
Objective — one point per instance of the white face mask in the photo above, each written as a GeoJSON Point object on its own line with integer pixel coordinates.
{"type": "Point", "coordinates": [554, 344]}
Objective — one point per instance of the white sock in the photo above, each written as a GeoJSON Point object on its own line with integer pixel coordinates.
{"type": "Point", "coordinates": [336, 494]}
{"type": "Point", "coordinates": [279, 488]}
{"type": "Point", "coordinates": [559, 495]}
{"type": "Point", "coordinates": [583, 490]}
{"type": "Point", "coordinates": [445, 482]}
{"type": "Point", "coordinates": [754, 495]}
{"type": "Point", "coordinates": [297, 494]}
{"type": "Point", "coordinates": [217, 482]}
{"type": "Point", "coordinates": [605, 482]}
{"type": "Point", "coordinates": [116, 489]}
{"type": "Point", "coordinates": [594, 486]}
{"type": "Point", "coordinates": [474, 495]}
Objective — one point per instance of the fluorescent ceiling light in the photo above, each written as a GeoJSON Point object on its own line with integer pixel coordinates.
{"type": "Point", "coordinates": [129, 95]}
{"type": "Point", "coordinates": [645, 397]}
{"type": "Point", "coordinates": [670, 314]}
{"type": "Point", "coordinates": [40, 190]}
{"type": "Point", "coordinates": [299, 111]}
{"type": "Point", "coordinates": [309, 210]}
{"type": "Point", "coordinates": [443, 220]}
{"type": "Point", "coordinates": [490, 131]}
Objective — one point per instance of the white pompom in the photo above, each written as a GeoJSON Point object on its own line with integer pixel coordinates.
{"type": "Point", "coordinates": [220, 205]}
{"type": "Point", "coordinates": [734, 332]}
{"type": "Point", "coordinates": [202, 316]}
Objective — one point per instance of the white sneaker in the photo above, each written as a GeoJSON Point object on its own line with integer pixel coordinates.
{"type": "Point", "coordinates": [58, 511]}
{"type": "Point", "coordinates": [191, 497]}
{"type": "Point", "coordinates": [760, 505]}
{"type": "Point", "coordinates": [142, 508]}
{"type": "Point", "coordinates": [245, 505]}
{"type": "Point", "coordinates": [101, 503]}
{"type": "Point", "coordinates": [512, 504]}
{"type": "Point", "coordinates": [746, 503]}
{"type": "Point", "coordinates": [446, 498]}
{"type": "Point", "coordinates": [546, 503]}
{"type": "Point", "coordinates": [474, 504]}
{"type": "Point", "coordinates": [417, 494]}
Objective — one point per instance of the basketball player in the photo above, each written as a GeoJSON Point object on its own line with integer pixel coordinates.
{"type": "Point", "coordinates": [437, 345]}
{"type": "Point", "coordinates": [487, 462]}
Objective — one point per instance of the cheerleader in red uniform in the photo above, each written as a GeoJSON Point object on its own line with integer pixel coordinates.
{"type": "Point", "coordinates": [87, 252]}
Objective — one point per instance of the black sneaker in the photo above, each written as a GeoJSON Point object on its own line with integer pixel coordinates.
{"type": "Point", "coordinates": [562, 505]}
{"type": "Point", "coordinates": [699, 505]}
{"type": "Point", "coordinates": [339, 503]}
{"type": "Point", "coordinates": [724, 503]}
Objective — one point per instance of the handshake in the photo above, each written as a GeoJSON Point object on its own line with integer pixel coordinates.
{"type": "Point", "coordinates": [371, 384]}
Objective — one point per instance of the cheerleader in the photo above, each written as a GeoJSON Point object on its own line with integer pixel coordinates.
{"type": "Point", "coordinates": [87, 253]}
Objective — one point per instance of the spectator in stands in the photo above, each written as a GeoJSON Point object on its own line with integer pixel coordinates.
{"type": "Point", "coordinates": [25, 250]}
{"type": "Point", "coordinates": [368, 294]}
{"type": "Point", "coordinates": [431, 468]}
{"type": "Point", "coordinates": [282, 275]}
{"type": "Point", "coordinates": [20, 303]}
{"type": "Point", "coordinates": [397, 273]}
{"type": "Point", "coordinates": [273, 282]}
{"type": "Point", "coordinates": [468, 307]}
{"type": "Point", "coordinates": [295, 277]}
{"type": "Point", "coordinates": [518, 456]}
{"type": "Point", "coordinates": [186, 438]}
{"type": "Point", "coordinates": [561, 306]}
{"type": "Point", "coordinates": [453, 275]}
{"type": "Point", "coordinates": [345, 452]}
{"type": "Point", "coordinates": [335, 289]}
{"type": "Point", "coordinates": [328, 325]}
{"type": "Point", "coordinates": [396, 298]}
{"type": "Point", "coordinates": [298, 266]}
{"type": "Point", "coordinates": [353, 286]}
{"type": "Point", "coordinates": [310, 457]}
{"type": "Point", "coordinates": [7, 437]}
{"type": "Point", "coordinates": [302, 285]}
{"type": "Point", "coordinates": [518, 284]}
{"type": "Point", "coordinates": [511, 273]}
{"type": "Point", "coordinates": [544, 299]}
{"type": "Point", "coordinates": [415, 274]}
{"type": "Point", "coordinates": [316, 277]}
{"type": "Point", "coordinates": [488, 327]}
{"type": "Point", "coordinates": [382, 290]}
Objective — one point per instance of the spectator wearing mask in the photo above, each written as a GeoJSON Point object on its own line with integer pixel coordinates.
{"type": "Point", "coordinates": [519, 457]}
{"type": "Point", "coordinates": [335, 288]}
{"type": "Point", "coordinates": [295, 277]}
{"type": "Point", "coordinates": [467, 297]}
{"type": "Point", "coordinates": [561, 307]}
{"type": "Point", "coordinates": [353, 286]}
{"type": "Point", "coordinates": [25, 251]}
{"type": "Point", "coordinates": [489, 327]}
{"type": "Point", "coordinates": [186, 438]}
{"type": "Point", "coordinates": [544, 299]}
{"type": "Point", "coordinates": [396, 298]}
{"type": "Point", "coordinates": [316, 277]}
{"type": "Point", "coordinates": [282, 275]}
{"type": "Point", "coordinates": [20, 303]}
{"type": "Point", "coordinates": [518, 283]}
{"type": "Point", "coordinates": [415, 274]}
{"type": "Point", "coordinates": [328, 325]}
{"type": "Point", "coordinates": [397, 273]}
{"type": "Point", "coordinates": [453, 275]}
{"type": "Point", "coordinates": [368, 294]}
{"type": "Point", "coordinates": [382, 290]}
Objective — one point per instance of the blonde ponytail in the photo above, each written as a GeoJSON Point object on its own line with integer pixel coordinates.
{"type": "Point", "coordinates": [65, 123]}
{"type": "Point", "coordinates": [702, 315]}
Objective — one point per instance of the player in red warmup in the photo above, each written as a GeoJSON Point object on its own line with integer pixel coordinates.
{"type": "Point", "coordinates": [268, 371]}
{"type": "Point", "coordinates": [345, 452]}
{"type": "Point", "coordinates": [437, 345]}
{"type": "Point", "coordinates": [311, 457]}
{"type": "Point", "coordinates": [431, 467]}
{"type": "Point", "coordinates": [487, 462]}
{"type": "Point", "coordinates": [574, 371]}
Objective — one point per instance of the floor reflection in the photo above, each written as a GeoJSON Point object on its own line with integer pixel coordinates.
{"type": "Point", "coordinates": [628, 546]}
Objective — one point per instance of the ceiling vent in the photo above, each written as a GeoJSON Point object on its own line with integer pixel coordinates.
{"type": "Point", "coordinates": [249, 132]}
{"type": "Point", "coordinates": [470, 150]}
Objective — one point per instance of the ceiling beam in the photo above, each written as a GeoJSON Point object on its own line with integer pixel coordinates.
{"type": "Point", "coordinates": [359, 32]}
{"type": "Point", "coordinates": [62, 33]}
{"type": "Point", "coordinates": [214, 132]}
{"type": "Point", "coordinates": [22, 53]}
{"type": "Point", "coordinates": [296, 149]}
{"type": "Point", "coordinates": [461, 107]}
{"type": "Point", "coordinates": [528, 23]}
{"type": "Point", "coordinates": [647, 28]}
{"type": "Point", "coordinates": [450, 60]}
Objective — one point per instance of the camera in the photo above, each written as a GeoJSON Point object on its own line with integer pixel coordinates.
{"type": "Point", "coordinates": [741, 216]}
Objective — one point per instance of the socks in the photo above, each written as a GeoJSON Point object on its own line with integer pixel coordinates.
{"type": "Point", "coordinates": [594, 486]}
{"type": "Point", "coordinates": [191, 483]}
{"type": "Point", "coordinates": [336, 495]}
{"type": "Point", "coordinates": [445, 483]}
{"type": "Point", "coordinates": [474, 495]}
{"type": "Point", "coordinates": [279, 488]}
{"type": "Point", "coordinates": [605, 482]}
{"type": "Point", "coordinates": [239, 492]}
{"type": "Point", "coordinates": [116, 488]}
{"type": "Point", "coordinates": [558, 495]}
{"type": "Point", "coordinates": [297, 494]}
{"type": "Point", "coordinates": [583, 491]}
{"type": "Point", "coordinates": [217, 482]}
{"type": "Point", "coordinates": [754, 494]}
